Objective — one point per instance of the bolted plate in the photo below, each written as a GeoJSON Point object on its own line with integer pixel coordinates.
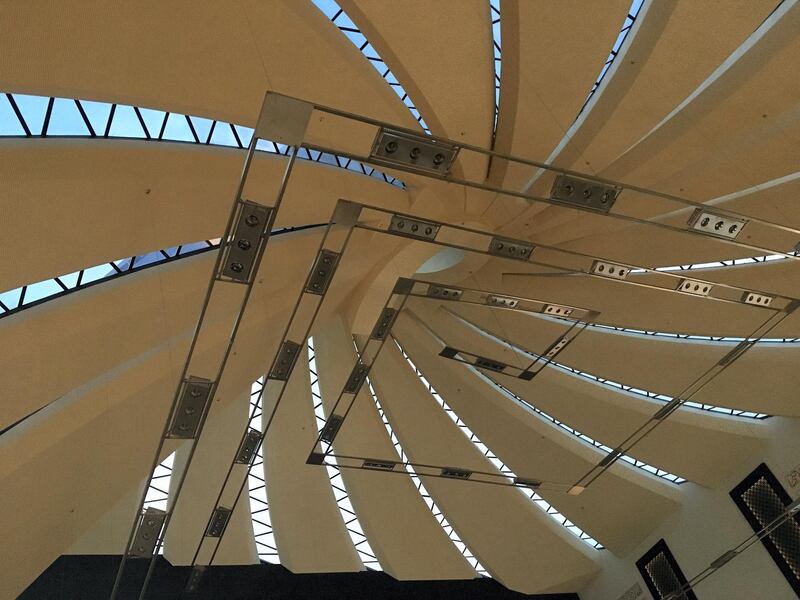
{"type": "Point", "coordinates": [248, 447]}
{"type": "Point", "coordinates": [219, 520]}
{"type": "Point", "coordinates": [284, 361]}
{"type": "Point", "coordinates": [192, 403]}
{"type": "Point", "coordinates": [454, 473]}
{"type": "Point", "coordinates": [415, 228]}
{"type": "Point", "coordinates": [582, 193]}
{"type": "Point", "coordinates": [322, 272]}
{"type": "Point", "coordinates": [147, 532]}
{"type": "Point", "coordinates": [515, 249]}
{"type": "Point", "coordinates": [356, 379]}
{"type": "Point", "coordinates": [384, 324]}
{"type": "Point", "coordinates": [414, 152]}
{"type": "Point", "coordinates": [331, 428]}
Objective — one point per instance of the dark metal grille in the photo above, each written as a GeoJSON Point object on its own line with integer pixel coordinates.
{"type": "Point", "coordinates": [762, 499]}
{"type": "Point", "coordinates": [661, 572]}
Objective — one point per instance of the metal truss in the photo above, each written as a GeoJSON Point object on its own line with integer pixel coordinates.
{"type": "Point", "coordinates": [790, 513]}
{"type": "Point", "coordinates": [609, 382]}
{"type": "Point", "coordinates": [39, 116]}
{"type": "Point", "coordinates": [432, 156]}
{"type": "Point", "coordinates": [426, 497]}
{"type": "Point", "coordinates": [332, 10]}
{"type": "Point", "coordinates": [349, 516]}
{"type": "Point", "coordinates": [683, 397]}
{"type": "Point", "coordinates": [530, 492]}
{"type": "Point", "coordinates": [263, 533]}
{"type": "Point", "coordinates": [630, 19]}
{"type": "Point", "coordinates": [245, 238]}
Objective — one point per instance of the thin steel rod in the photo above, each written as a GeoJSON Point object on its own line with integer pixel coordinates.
{"type": "Point", "coordinates": [684, 396]}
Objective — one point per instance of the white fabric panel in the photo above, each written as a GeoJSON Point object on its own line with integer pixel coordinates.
{"type": "Point", "coordinates": [658, 364]}
{"type": "Point", "coordinates": [186, 56]}
{"type": "Point", "coordinates": [143, 197]}
{"type": "Point", "coordinates": [406, 537]}
{"type": "Point", "coordinates": [306, 521]}
{"type": "Point", "coordinates": [215, 450]}
{"type": "Point", "coordinates": [497, 523]}
{"type": "Point", "coordinates": [534, 448]}
{"type": "Point", "coordinates": [701, 447]}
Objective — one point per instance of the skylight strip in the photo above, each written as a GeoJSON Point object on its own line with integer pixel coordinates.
{"type": "Point", "coordinates": [337, 16]}
{"type": "Point", "coordinates": [693, 337]}
{"type": "Point", "coordinates": [535, 497]}
{"type": "Point", "coordinates": [34, 294]}
{"type": "Point", "coordinates": [360, 541]}
{"type": "Point", "coordinates": [263, 533]}
{"type": "Point", "coordinates": [627, 25]}
{"type": "Point", "coordinates": [717, 264]}
{"type": "Point", "coordinates": [610, 382]}
{"type": "Point", "coordinates": [39, 116]}
{"type": "Point", "coordinates": [629, 459]}
{"type": "Point", "coordinates": [432, 506]}
{"type": "Point", "coordinates": [494, 11]}
{"type": "Point", "coordinates": [157, 495]}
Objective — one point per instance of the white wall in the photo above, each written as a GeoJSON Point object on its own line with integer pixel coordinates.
{"type": "Point", "coordinates": [708, 524]}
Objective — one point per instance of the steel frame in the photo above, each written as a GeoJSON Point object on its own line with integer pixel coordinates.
{"type": "Point", "coordinates": [216, 278]}
{"type": "Point", "coordinates": [381, 126]}
{"type": "Point", "coordinates": [334, 241]}
{"type": "Point", "coordinates": [350, 216]}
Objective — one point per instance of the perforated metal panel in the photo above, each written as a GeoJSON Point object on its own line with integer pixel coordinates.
{"type": "Point", "coordinates": [661, 572]}
{"type": "Point", "coordinates": [762, 499]}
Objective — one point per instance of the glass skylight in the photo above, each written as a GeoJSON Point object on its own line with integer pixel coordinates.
{"type": "Point", "coordinates": [257, 488]}
{"type": "Point", "coordinates": [38, 116]}
{"type": "Point", "coordinates": [30, 295]}
{"type": "Point", "coordinates": [157, 495]}
{"type": "Point", "coordinates": [630, 19]}
{"type": "Point", "coordinates": [716, 264]}
{"type": "Point", "coordinates": [351, 522]}
{"type": "Point", "coordinates": [494, 10]}
{"type": "Point", "coordinates": [535, 497]}
{"type": "Point", "coordinates": [332, 10]}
